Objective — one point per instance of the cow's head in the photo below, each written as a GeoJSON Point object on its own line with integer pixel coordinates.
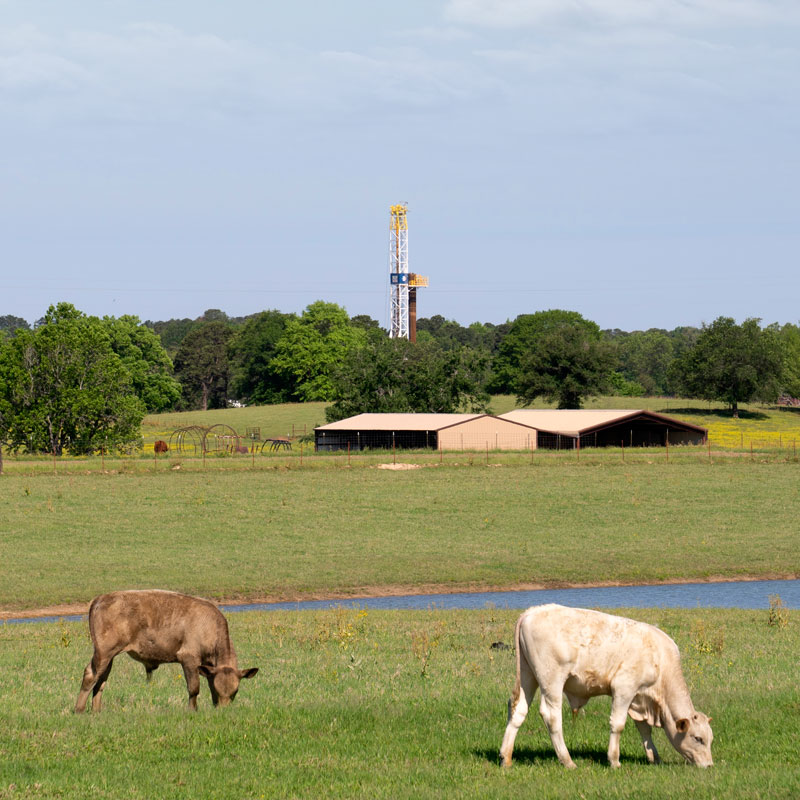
{"type": "Point", "coordinates": [693, 737]}
{"type": "Point", "coordinates": [224, 682]}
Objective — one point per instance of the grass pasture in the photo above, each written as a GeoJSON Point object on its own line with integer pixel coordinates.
{"type": "Point", "coordinates": [375, 704]}
{"type": "Point", "coordinates": [293, 533]}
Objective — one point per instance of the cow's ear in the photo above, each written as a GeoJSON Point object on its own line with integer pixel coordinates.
{"type": "Point", "coordinates": [682, 725]}
{"type": "Point", "coordinates": [207, 672]}
{"type": "Point", "coordinates": [248, 673]}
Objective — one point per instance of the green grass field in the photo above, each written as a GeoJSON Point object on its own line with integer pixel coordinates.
{"type": "Point", "coordinates": [287, 533]}
{"type": "Point", "coordinates": [390, 704]}
{"type": "Point", "coordinates": [383, 705]}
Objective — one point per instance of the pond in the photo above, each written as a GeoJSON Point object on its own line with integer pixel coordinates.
{"type": "Point", "coordinates": [729, 594]}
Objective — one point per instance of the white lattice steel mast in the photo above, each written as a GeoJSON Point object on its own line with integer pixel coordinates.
{"type": "Point", "coordinates": [398, 273]}
{"type": "Point", "coordinates": [402, 283]}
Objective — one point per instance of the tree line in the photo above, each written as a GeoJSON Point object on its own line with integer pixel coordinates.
{"type": "Point", "coordinates": [82, 383]}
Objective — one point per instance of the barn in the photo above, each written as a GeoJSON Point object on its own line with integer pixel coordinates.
{"type": "Point", "coordinates": [421, 431]}
{"type": "Point", "coordinates": [567, 429]}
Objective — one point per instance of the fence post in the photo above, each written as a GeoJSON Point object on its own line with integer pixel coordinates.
{"type": "Point", "coordinates": [708, 441]}
{"type": "Point", "coordinates": [579, 447]}
{"type": "Point", "coordinates": [487, 452]}
{"type": "Point", "coordinates": [623, 449]}
{"type": "Point", "coordinates": [440, 450]}
{"type": "Point", "coordinates": [348, 453]}
{"type": "Point", "coordinates": [301, 454]}
{"type": "Point", "coordinates": [667, 447]}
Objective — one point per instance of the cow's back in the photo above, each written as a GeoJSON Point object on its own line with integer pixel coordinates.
{"type": "Point", "coordinates": [158, 625]}
{"type": "Point", "coordinates": [594, 648]}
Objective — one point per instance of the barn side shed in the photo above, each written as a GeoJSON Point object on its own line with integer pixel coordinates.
{"type": "Point", "coordinates": [567, 429]}
{"type": "Point", "coordinates": [425, 431]}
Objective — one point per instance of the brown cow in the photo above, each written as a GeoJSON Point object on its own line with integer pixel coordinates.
{"type": "Point", "coordinates": [158, 627]}
{"type": "Point", "coordinates": [161, 446]}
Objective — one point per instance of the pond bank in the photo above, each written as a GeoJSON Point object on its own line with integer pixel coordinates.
{"type": "Point", "coordinates": [745, 593]}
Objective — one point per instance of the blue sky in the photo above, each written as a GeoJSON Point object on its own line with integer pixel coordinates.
{"type": "Point", "coordinates": [633, 160]}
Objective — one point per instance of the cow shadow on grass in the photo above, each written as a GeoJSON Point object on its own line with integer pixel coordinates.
{"type": "Point", "coordinates": [542, 756]}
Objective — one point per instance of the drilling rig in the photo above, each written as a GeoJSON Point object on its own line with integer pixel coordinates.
{"type": "Point", "coordinates": [403, 284]}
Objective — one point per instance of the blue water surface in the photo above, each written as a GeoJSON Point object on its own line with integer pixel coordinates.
{"type": "Point", "coordinates": [730, 594]}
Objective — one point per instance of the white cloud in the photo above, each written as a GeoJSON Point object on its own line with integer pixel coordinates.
{"type": "Point", "coordinates": [521, 13]}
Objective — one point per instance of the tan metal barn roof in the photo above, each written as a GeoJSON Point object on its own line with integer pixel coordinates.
{"type": "Point", "coordinates": [572, 422]}
{"type": "Point", "coordinates": [403, 422]}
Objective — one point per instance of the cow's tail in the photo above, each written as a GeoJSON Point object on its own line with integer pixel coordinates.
{"type": "Point", "coordinates": [92, 616]}
{"type": "Point", "coordinates": [512, 703]}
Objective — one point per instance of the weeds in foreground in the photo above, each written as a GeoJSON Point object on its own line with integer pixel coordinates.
{"type": "Point", "coordinates": [707, 640]}
{"type": "Point", "coordinates": [423, 645]}
{"type": "Point", "coordinates": [778, 612]}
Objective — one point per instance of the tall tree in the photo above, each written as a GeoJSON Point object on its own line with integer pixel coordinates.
{"type": "Point", "coordinates": [790, 338]}
{"type": "Point", "coordinates": [395, 375]}
{"type": "Point", "coordinates": [645, 357]}
{"type": "Point", "coordinates": [252, 349]}
{"type": "Point", "coordinates": [146, 360]}
{"type": "Point", "coordinates": [62, 386]}
{"type": "Point", "coordinates": [313, 346]}
{"type": "Point", "coordinates": [9, 323]}
{"type": "Point", "coordinates": [733, 363]}
{"type": "Point", "coordinates": [554, 354]}
{"type": "Point", "coordinates": [202, 366]}
{"type": "Point", "coordinates": [562, 357]}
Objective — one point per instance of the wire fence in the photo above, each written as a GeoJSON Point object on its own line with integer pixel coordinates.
{"type": "Point", "coordinates": [291, 455]}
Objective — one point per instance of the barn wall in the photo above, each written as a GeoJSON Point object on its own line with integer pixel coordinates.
{"type": "Point", "coordinates": [491, 432]}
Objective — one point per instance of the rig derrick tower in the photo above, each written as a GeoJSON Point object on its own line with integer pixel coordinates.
{"type": "Point", "coordinates": [402, 283]}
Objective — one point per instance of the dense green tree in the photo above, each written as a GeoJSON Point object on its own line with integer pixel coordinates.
{"type": "Point", "coordinates": [202, 365]}
{"type": "Point", "coordinates": [62, 386]}
{"type": "Point", "coordinates": [732, 363]}
{"type": "Point", "coordinates": [252, 349]}
{"type": "Point", "coordinates": [789, 336]}
{"type": "Point", "coordinates": [395, 375]}
{"type": "Point", "coordinates": [645, 357]}
{"type": "Point", "coordinates": [9, 323]}
{"type": "Point", "coordinates": [561, 356]}
{"type": "Point", "coordinates": [147, 362]}
{"type": "Point", "coordinates": [555, 354]}
{"type": "Point", "coordinates": [313, 346]}
{"type": "Point", "coordinates": [172, 332]}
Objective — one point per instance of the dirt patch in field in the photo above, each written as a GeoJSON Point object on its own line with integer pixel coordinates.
{"type": "Point", "coordinates": [73, 609]}
{"type": "Point", "coordinates": [399, 466]}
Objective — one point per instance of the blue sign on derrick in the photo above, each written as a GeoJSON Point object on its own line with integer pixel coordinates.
{"type": "Point", "coordinates": [398, 278]}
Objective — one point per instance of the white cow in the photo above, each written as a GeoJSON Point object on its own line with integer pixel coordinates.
{"type": "Point", "coordinates": [582, 654]}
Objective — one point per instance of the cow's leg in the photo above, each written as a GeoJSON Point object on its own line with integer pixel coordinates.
{"type": "Point", "coordinates": [646, 732]}
{"type": "Point", "coordinates": [192, 675]}
{"type": "Point", "coordinates": [550, 709]}
{"type": "Point", "coordinates": [518, 709]}
{"type": "Point", "coordinates": [95, 669]}
{"type": "Point", "coordinates": [89, 680]}
{"type": "Point", "coordinates": [104, 671]}
{"type": "Point", "coordinates": [620, 703]}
